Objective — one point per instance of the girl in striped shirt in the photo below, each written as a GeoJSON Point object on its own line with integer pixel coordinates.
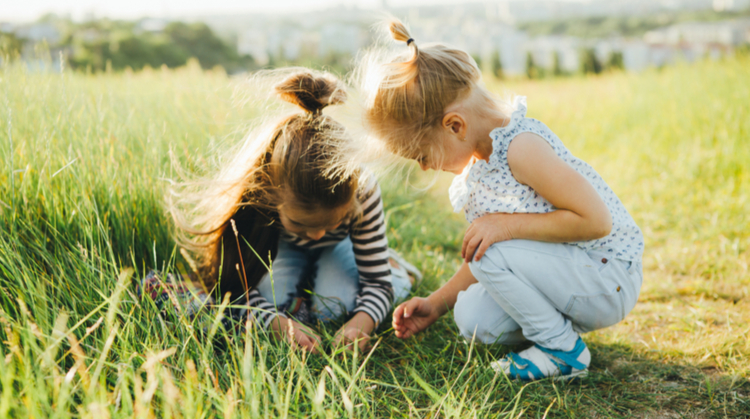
{"type": "Point", "coordinates": [281, 202]}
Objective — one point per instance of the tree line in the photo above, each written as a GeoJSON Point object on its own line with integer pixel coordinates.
{"type": "Point", "coordinates": [104, 44]}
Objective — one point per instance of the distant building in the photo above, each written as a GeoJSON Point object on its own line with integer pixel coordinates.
{"type": "Point", "coordinates": [636, 55]}
{"type": "Point", "coordinates": [38, 32]}
{"type": "Point", "coordinates": [544, 49]}
{"type": "Point", "coordinates": [730, 33]}
{"type": "Point", "coordinates": [151, 25]}
{"type": "Point", "coordinates": [253, 42]}
{"type": "Point", "coordinates": [341, 38]}
{"type": "Point", "coordinates": [730, 5]}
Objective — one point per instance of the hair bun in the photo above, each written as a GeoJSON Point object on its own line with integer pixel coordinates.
{"type": "Point", "coordinates": [311, 91]}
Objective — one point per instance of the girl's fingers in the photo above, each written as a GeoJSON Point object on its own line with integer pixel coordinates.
{"type": "Point", "coordinates": [398, 314]}
{"type": "Point", "coordinates": [464, 244]}
{"type": "Point", "coordinates": [403, 311]}
{"type": "Point", "coordinates": [470, 233]}
{"type": "Point", "coordinates": [469, 253]}
{"type": "Point", "coordinates": [308, 344]}
{"type": "Point", "coordinates": [470, 249]}
{"type": "Point", "coordinates": [481, 250]}
{"type": "Point", "coordinates": [412, 306]}
{"type": "Point", "coordinates": [470, 245]}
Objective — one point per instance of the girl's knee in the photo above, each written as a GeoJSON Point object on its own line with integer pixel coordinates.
{"type": "Point", "coordinates": [492, 264]}
{"type": "Point", "coordinates": [466, 315]}
{"type": "Point", "coordinates": [479, 317]}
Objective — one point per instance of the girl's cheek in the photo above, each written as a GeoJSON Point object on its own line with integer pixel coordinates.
{"type": "Point", "coordinates": [289, 228]}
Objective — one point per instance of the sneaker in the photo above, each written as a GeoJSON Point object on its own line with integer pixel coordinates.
{"type": "Point", "coordinates": [537, 362]}
{"type": "Point", "coordinates": [402, 267]}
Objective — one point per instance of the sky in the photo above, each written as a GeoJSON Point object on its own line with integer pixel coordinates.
{"type": "Point", "coordinates": [28, 10]}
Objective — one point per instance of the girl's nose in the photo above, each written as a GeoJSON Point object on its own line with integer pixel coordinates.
{"type": "Point", "coordinates": [316, 235]}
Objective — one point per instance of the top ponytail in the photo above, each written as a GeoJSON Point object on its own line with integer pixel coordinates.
{"type": "Point", "coordinates": [404, 72]}
{"type": "Point", "coordinates": [401, 34]}
{"type": "Point", "coordinates": [311, 92]}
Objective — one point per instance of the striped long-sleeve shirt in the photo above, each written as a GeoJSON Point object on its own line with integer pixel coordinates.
{"type": "Point", "coordinates": [370, 247]}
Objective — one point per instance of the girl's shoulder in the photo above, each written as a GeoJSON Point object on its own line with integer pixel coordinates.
{"type": "Point", "coordinates": [519, 124]}
{"type": "Point", "coordinates": [502, 136]}
{"type": "Point", "coordinates": [368, 187]}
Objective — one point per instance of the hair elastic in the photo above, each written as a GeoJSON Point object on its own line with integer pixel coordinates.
{"type": "Point", "coordinates": [409, 41]}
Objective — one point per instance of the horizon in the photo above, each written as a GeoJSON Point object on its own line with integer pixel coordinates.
{"type": "Point", "coordinates": [79, 10]}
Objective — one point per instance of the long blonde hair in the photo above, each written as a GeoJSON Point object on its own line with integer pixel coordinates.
{"type": "Point", "coordinates": [229, 223]}
{"type": "Point", "coordinates": [406, 94]}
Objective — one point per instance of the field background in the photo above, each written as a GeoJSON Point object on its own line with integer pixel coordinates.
{"type": "Point", "coordinates": [84, 160]}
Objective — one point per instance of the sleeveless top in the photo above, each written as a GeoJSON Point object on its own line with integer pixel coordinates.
{"type": "Point", "coordinates": [489, 187]}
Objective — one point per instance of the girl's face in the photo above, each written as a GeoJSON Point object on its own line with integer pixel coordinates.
{"type": "Point", "coordinates": [312, 223]}
{"type": "Point", "coordinates": [456, 154]}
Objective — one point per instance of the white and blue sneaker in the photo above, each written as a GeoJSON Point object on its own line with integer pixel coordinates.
{"type": "Point", "coordinates": [537, 362]}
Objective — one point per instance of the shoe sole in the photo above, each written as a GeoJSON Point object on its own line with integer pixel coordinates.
{"type": "Point", "coordinates": [566, 378]}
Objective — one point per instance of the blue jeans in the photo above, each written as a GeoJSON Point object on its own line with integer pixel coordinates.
{"type": "Point", "coordinates": [333, 273]}
{"type": "Point", "coordinates": [547, 293]}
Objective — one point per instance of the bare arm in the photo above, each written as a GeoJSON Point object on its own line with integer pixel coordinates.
{"type": "Point", "coordinates": [581, 214]}
{"type": "Point", "coordinates": [445, 297]}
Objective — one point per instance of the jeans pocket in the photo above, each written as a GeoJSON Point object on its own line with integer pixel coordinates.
{"type": "Point", "coordinates": [596, 311]}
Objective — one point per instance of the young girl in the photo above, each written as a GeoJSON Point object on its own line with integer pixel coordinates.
{"type": "Point", "coordinates": [550, 253]}
{"type": "Point", "coordinates": [324, 231]}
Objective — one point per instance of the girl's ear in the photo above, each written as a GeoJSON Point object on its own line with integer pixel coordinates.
{"type": "Point", "coordinates": [456, 124]}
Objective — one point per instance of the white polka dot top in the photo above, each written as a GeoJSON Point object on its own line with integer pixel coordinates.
{"type": "Point", "coordinates": [489, 187]}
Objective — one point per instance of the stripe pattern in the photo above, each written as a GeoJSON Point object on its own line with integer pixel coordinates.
{"type": "Point", "coordinates": [370, 246]}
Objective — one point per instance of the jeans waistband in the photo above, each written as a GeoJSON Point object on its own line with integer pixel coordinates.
{"type": "Point", "coordinates": [629, 265]}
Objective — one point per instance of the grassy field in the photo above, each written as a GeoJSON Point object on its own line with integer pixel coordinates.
{"type": "Point", "coordinates": [84, 162]}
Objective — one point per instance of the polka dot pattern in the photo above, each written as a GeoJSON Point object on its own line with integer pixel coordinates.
{"type": "Point", "coordinates": [489, 187]}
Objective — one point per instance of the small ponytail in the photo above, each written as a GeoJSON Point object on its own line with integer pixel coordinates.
{"type": "Point", "coordinates": [406, 70]}
{"type": "Point", "coordinates": [311, 91]}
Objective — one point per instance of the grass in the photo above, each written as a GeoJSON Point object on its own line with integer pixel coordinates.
{"type": "Point", "coordinates": [83, 162]}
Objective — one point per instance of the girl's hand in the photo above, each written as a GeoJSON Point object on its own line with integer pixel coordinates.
{"type": "Point", "coordinates": [413, 316]}
{"type": "Point", "coordinates": [297, 334]}
{"type": "Point", "coordinates": [484, 232]}
{"type": "Point", "coordinates": [356, 331]}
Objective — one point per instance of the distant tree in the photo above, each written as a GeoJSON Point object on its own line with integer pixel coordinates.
{"type": "Point", "coordinates": [496, 65]}
{"type": "Point", "coordinates": [616, 61]}
{"type": "Point", "coordinates": [10, 45]}
{"type": "Point", "coordinates": [590, 63]}
{"type": "Point", "coordinates": [281, 60]}
{"type": "Point", "coordinates": [532, 71]}
{"type": "Point", "coordinates": [337, 62]}
{"type": "Point", "coordinates": [98, 42]}
{"type": "Point", "coordinates": [199, 41]}
{"type": "Point", "coordinates": [557, 69]}
{"type": "Point", "coordinates": [478, 60]}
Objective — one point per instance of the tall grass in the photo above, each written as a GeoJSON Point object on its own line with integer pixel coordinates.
{"type": "Point", "coordinates": [81, 181]}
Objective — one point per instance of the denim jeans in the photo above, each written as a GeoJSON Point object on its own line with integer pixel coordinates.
{"type": "Point", "coordinates": [332, 272]}
{"type": "Point", "coordinates": [547, 293]}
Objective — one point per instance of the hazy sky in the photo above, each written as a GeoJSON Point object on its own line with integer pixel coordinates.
{"type": "Point", "coordinates": [25, 10]}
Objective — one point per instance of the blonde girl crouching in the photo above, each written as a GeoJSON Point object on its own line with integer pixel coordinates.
{"type": "Point", "coordinates": [550, 252]}
{"type": "Point", "coordinates": [324, 229]}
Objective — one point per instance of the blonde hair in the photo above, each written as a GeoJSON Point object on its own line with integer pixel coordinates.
{"type": "Point", "coordinates": [229, 222]}
{"type": "Point", "coordinates": [406, 94]}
